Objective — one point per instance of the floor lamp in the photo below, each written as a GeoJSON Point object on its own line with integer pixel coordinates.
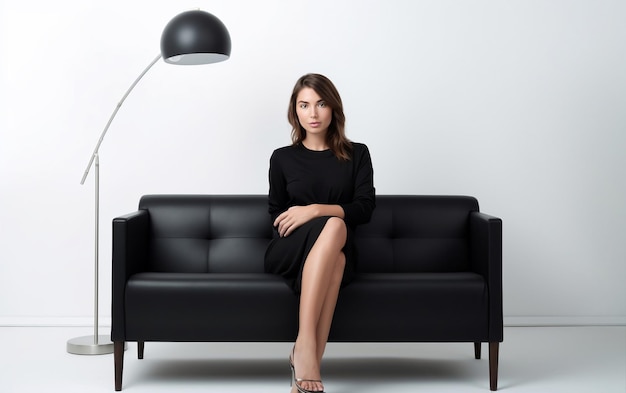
{"type": "Point", "coordinates": [192, 37]}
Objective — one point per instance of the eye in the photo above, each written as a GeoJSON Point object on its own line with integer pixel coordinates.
{"type": "Point", "coordinates": [322, 104]}
{"type": "Point", "coordinates": [303, 106]}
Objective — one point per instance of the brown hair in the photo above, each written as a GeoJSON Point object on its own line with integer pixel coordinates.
{"type": "Point", "coordinates": [335, 137]}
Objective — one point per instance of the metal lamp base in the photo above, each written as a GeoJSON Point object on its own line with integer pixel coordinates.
{"type": "Point", "coordinates": [90, 345]}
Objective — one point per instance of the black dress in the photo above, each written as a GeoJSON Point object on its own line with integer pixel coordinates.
{"type": "Point", "coordinates": [300, 177]}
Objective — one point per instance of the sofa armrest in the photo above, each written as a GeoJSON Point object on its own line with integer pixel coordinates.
{"type": "Point", "coordinates": [131, 236]}
{"type": "Point", "coordinates": [486, 260]}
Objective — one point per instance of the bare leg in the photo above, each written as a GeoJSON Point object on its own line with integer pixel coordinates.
{"type": "Point", "coordinates": [328, 309]}
{"type": "Point", "coordinates": [321, 279]}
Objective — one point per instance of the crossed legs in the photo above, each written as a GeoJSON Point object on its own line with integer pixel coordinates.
{"type": "Point", "coordinates": [321, 280]}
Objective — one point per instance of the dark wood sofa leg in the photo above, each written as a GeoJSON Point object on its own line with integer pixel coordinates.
{"type": "Point", "coordinates": [118, 355]}
{"type": "Point", "coordinates": [477, 350]}
{"type": "Point", "coordinates": [493, 365]}
{"type": "Point", "coordinates": [140, 347]}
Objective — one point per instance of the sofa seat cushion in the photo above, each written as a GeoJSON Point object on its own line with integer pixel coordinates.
{"type": "Point", "coordinates": [405, 307]}
{"type": "Point", "coordinates": [375, 307]}
{"type": "Point", "coordinates": [209, 307]}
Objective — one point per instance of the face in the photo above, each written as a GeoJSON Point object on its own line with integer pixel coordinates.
{"type": "Point", "coordinates": [313, 113]}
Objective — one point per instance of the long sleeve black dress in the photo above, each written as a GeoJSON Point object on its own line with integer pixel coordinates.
{"type": "Point", "coordinates": [300, 177]}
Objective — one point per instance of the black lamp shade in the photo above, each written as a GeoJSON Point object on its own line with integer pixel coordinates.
{"type": "Point", "coordinates": [195, 37]}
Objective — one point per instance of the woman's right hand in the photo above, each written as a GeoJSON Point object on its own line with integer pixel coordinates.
{"type": "Point", "coordinates": [294, 217]}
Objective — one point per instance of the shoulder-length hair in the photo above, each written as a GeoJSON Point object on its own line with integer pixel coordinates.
{"type": "Point", "coordinates": [336, 138]}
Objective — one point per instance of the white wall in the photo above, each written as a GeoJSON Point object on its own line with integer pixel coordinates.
{"type": "Point", "coordinates": [519, 103]}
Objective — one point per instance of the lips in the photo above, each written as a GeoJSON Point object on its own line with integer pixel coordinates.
{"type": "Point", "coordinates": [315, 124]}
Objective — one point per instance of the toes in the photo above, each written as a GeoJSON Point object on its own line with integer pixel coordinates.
{"type": "Point", "coordinates": [311, 386]}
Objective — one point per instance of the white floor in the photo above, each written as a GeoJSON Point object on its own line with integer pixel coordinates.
{"type": "Point", "coordinates": [532, 359]}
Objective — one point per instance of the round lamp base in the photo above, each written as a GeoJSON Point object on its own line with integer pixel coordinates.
{"type": "Point", "coordinates": [90, 345]}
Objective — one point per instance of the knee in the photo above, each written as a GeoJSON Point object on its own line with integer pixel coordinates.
{"type": "Point", "coordinates": [336, 226]}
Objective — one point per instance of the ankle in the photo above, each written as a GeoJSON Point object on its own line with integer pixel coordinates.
{"type": "Point", "coordinates": [305, 346]}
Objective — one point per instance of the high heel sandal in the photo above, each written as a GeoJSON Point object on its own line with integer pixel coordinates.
{"type": "Point", "coordinates": [296, 381]}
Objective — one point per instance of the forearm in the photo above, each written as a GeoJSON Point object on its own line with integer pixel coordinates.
{"type": "Point", "coordinates": [296, 216]}
{"type": "Point", "coordinates": [322, 210]}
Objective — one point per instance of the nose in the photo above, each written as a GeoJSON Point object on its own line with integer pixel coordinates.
{"type": "Point", "coordinates": [314, 111]}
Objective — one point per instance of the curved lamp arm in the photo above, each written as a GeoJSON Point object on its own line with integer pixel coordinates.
{"type": "Point", "coordinates": [192, 37]}
{"type": "Point", "coordinates": [117, 108]}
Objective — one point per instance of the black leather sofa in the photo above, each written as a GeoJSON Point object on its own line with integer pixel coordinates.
{"type": "Point", "coordinates": [190, 268]}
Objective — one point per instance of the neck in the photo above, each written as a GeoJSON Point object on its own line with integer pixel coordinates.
{"type": "Point", "coordinates": [315, 143]}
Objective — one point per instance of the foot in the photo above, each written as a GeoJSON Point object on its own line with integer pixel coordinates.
{"type": "Point", "coordinates": [307, 371]}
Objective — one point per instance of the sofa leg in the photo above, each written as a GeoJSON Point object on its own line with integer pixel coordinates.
{"type": "Point", "coordinates": [140, 347]}
{"type": "Point", "coordinates": [493, 365]}
{"type": "Point", "coordinates": [118, 355]}
{"type": "Point", "coordinates": [477, 350]}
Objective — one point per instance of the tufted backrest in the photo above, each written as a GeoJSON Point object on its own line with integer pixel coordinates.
{"type": "Point", "coordinates": [229, 233]}
{"type": "Point", "coordinates": [208, 233]}
{"type": "Point", "coordinates": [416, 234]}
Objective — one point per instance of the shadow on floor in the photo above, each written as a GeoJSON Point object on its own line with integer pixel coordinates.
{"type": "Point", "coordinates": [349, 372]}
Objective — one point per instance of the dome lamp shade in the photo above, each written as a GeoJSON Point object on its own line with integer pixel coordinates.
{"type": "Point", "coordinates": [195, 37]}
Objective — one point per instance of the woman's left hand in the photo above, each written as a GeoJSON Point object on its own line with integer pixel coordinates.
{"type": "Point", "coordinates": [294, 217]}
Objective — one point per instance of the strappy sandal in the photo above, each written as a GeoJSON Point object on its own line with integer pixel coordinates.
{"type": "Point", "coordinates": [297, 381]}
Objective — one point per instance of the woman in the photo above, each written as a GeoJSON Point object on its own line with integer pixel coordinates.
{"type": "Point", "coordinates": [321, 188]}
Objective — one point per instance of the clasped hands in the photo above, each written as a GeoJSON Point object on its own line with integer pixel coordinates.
{"type": "Point", "coordinates": [294, 217]}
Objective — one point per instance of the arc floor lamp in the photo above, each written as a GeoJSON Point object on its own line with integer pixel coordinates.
{"type": "Point", "coordinates": [192, 37]}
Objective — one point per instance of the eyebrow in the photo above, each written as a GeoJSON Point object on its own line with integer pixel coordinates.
{"type": "Point", "coordinates": [306, 102]}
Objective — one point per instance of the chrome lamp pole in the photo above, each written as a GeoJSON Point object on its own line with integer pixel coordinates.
{"type": "Point", "coordinates": [190, 38]}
